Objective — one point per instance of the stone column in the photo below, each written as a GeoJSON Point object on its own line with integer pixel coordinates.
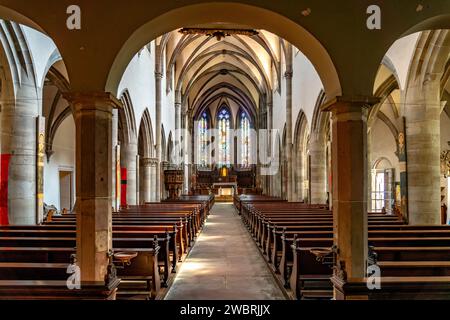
{"type": "Point", "coordinates": [288, 75]}
{"type": "Point", "coordinates": [369, 170]}
{"type": "Point", "coordinates": [115, 130]}
{"type": "Point", "coordinates": [128, 160]}
{"type": "Point", "coordinates": [317, 151]}
{"type": "Point", "coordinates": [158, 93]}
{"type": "Point", "coordinates": [270, 178]}
{"type": "Point", "coordinates": [299, 175]}
{"type": "Point", "coordinates": [153, 168]}
{"type": "Point", "coordinates": [177, 121]}
{"type": "Point", "coordinates": [18, 141]}
{"type": "Point", "coordinates": [178, 146]}
{"type": "Point", "coordinates": [93, 122]}
{"type": "Point", "coordinates": [349, 161]}
{"type": "Point", "coordinates": [423, 107]}
{"type": "Point", "coordinates": [146, 165]}
{"type": "Point", "coordinates": [185, 155]}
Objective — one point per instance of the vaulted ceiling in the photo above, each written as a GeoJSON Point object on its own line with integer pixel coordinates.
{"type": "Point", "coordinates": [240, 71]}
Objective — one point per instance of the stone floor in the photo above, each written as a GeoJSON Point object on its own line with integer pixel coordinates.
{"type": "Point", "coordinates": [224, 264]}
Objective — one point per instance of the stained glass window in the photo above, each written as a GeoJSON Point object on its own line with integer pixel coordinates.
{"type": "Point", "coordinates": [245, 140]}
{"type": "Point", "coordinates": [224, 119]}
{"type": "Point", "coordinates": [203, 140]}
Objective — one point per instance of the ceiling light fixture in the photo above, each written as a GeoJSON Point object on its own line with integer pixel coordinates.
{"type": "Point", "coordinates": [219, 34]}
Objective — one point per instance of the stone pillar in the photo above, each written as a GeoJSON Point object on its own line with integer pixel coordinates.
{"type": "Point", "coordinates": [158, 94]}
{"type": "Point", "coordinates": [318, 179]}
{"type": "Point", "coordinates": [115, 142]}
{"type": "Point", "coordinates": [423, 107]}
{"type": "Point", "coordinates": [146, 165]}
{"type": "Point", "coordinates": [185, 155]}
{"type": "Point", "coordinates": [349, 161]}
{"type": "Point", "coordinates": [153, 168]}
{"type": "Point", "coordinates": [128, 154]}
{"type": "Point", "coordinates": [177, 158]}
{"type": "Point", "coordinates": [369, 170]}
{"type": "Point", "coordinates": [177, 115]}
{"type": "Point", "coordinates": [270, 178]}
{"type": "Point", "coordinates": [93, 122]}
{"type": "Point", "coordinates": [18, 141]}
{"type": "Point", "coordinates": [289, 175]}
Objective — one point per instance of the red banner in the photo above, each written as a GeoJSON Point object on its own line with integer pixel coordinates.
{"type": "Point", "coordinates": [4, 168]}
{"type": "Point", "coordinates": [123, 191]}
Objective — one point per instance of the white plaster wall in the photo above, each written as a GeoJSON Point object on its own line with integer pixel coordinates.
{"type": "Point", "coordinates": [167, 109]}
{"type": "Point", "coordinates": [445, 131]}
{"type": "Point", "coordinates": [400, 54]}
{"type": "Point", "coordinates": [139, 80]}
{"type": "Point", "coordinates": [279, 108]}
{"type": "Point", "coordinates": [306, 88]}
{"type": "Point", "coordinates": [62, 159]}
{"type": "Point", "coordinates": [41, 48]}
{"type": "Point", "coordinates": [383, 145]}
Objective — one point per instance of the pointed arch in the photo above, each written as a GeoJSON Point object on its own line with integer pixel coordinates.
{"type": "Point", "coordinates": [127, 122]}
{"type": "Point", "coordinates": [145, 138]}
{"type": "Point", "coordinates": [163, 144]}
{"type": "Point", "coordinates": [301, 158]}
{"type": "Point", "coordinates": [169, 154]}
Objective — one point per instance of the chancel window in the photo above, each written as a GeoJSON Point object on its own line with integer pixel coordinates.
{"type": "Point", "coordinates": [224, 145]}
{"type": "Point", "coordinates": [203, 138]}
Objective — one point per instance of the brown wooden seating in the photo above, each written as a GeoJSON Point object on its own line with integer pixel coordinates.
{"type": "Point", "coordinates": [146, 240]}
{"type": "Point", "coordinates": [55, 290]}
{"type": "Point", "coordinates": [281, 229]}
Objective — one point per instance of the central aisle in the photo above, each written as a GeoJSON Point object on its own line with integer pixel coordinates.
{"type": "Point", "coordinates": [224, 264]}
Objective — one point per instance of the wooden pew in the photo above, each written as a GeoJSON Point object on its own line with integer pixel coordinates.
{"type": "Point", "coordinates": [163, 234]}
{"type": "Point", "coordinates": [143, 267]}
{"type": "Point", "coordinates": [49, 280]}
{"type": "Point", "coordinates": [426, 253]}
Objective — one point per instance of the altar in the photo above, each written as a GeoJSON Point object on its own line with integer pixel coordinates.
{"type": "Point", "coordinates": [224, 191]}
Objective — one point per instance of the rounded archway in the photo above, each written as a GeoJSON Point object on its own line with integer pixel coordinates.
{"type": "Point", "coordinates": [228, 14]}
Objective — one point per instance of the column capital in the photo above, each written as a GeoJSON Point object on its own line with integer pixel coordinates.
{"type": "Point", "coordinates": [80, 101]}
{"type": "Point", "coordinates": [346, 104]}
{"type": "Point", "coordinates": [148, 162]}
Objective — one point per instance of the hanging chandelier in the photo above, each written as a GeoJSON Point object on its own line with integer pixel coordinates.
{"type": "Point", "coordinates": [219, 34]}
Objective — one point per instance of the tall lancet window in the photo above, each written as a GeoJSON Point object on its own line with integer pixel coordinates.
{"type": "Point", "coordinates": [224, 125]}
{"type": "Point", "coordinates": [245, 140]}
{"type": "Point", "coordinates": [203, 140]}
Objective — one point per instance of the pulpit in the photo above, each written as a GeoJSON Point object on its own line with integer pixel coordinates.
{"type": "Point", "coordinates": [173, 180]}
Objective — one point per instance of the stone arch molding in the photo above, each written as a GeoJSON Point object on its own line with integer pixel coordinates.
{"type": "Point", "coordinates": [208, 13]}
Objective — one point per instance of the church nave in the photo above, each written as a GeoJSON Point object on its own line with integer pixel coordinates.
{"type": "Point", "coordinates": [224, 264]}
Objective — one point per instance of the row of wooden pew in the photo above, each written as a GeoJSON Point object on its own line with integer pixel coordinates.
{"type": "Point", "coordinates": [148, 241]}
{"type": "Point", "coordinates": [297, 242]}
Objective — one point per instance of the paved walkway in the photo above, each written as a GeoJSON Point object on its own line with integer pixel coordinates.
{"type": "Point", "coordinates": [224, 264]}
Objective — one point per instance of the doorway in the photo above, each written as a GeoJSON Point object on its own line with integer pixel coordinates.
{"type": "Point", "coordinates": [65, 190]}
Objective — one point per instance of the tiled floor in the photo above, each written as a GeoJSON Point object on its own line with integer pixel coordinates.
{"type": "Point", "coordinates": [224, 264]}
